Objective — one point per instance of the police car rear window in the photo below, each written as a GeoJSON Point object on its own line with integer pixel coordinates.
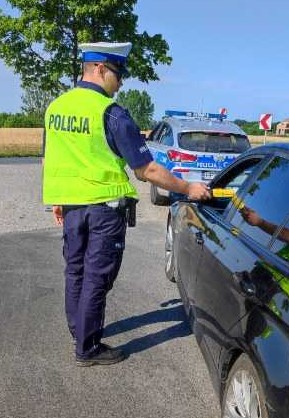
{"type": "Point", "coordinates": [213, 142]}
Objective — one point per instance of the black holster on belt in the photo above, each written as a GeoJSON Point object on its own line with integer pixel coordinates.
{"type": "Point", "coordinates": [127, 206]}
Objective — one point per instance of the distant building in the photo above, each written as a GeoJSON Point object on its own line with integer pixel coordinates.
{"type": "Point", "coordinates": [283, 128]}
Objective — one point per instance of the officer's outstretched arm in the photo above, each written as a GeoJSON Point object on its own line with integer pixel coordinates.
{"type": "Point", "coordinates": [160, 176]}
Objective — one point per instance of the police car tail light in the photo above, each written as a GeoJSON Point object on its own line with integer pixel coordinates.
{"type": "Point", "coordinates": [181, 156]}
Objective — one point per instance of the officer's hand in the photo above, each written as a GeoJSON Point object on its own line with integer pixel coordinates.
{"type": "Point", "coordinates": [57, 215]}
{"type": "Point", "coordinates": [199, 191]}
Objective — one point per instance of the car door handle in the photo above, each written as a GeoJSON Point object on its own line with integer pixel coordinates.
{"type": "Point", "coordinates": [244, 283]}
{"type": "Point", "coordinates": [199, 238]}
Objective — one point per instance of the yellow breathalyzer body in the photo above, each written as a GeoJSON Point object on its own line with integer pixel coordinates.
{"type": "Point", "coordinates": [231, 194]}
{"type": "Point", "coordinates": [223, 193]}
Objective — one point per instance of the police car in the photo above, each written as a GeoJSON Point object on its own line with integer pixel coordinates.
{"type": "Point", "coordinates": [194, 146]}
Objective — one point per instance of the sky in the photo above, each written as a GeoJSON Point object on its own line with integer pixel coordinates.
{"type": "Point", "coordinates": [229, 53]}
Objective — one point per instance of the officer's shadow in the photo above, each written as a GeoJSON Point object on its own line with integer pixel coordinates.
{"type": "Point", "coordinates": [172, 314]}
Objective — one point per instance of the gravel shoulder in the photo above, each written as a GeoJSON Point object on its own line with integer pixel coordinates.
{"type": "Point", "coordinates": [21, 207]}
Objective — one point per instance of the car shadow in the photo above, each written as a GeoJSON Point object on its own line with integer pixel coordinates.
{"type": "Point", "coordinates": [169, 314]}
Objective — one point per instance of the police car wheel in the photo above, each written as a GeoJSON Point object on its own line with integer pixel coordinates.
{"type": "Point", "coordinates": [169, 254]}
{"type": "Point", "coordinates": [156, 198]}
{"type": "Point", "coordinates": [244, 395]}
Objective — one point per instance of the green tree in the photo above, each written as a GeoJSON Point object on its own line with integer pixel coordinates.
{"type": "Point", "coordinates": [19, 120]}
{"type": "Point", "coordinates": [41, 42]}
{"type": "Point", "coordinates": [251, 128]}
{"type": "Point", "coordinates": [3, 117]}
{"type": "Point", "coordinates": [139, 105]}
{"type": "Point", "coordinates": [35, 100]}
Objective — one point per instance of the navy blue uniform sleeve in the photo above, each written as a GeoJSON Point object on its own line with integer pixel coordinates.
{"type": "Point", "coordinates": [124, 137]}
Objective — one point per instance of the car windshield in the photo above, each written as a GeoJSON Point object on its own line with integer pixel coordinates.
{"type": "Point", "coordinates": [213, 142]}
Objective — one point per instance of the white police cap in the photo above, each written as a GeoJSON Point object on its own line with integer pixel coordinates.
{"type": "Point", "coordinates": [114, 52]}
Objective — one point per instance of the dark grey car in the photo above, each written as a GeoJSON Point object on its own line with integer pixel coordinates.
{"type": "Point", "coordinates": [230, 259]}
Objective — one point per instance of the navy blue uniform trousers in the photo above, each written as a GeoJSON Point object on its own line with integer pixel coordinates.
{"type": "Point", "coordinates": [94, 240]}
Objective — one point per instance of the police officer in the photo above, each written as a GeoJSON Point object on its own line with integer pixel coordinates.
{"type": "Point", "coordinates": [89, 140]}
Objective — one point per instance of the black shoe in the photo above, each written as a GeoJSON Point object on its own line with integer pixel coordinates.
{"type": "Point", "coordinates": [104, 355]}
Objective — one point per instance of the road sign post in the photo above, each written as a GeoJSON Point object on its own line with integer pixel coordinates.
{"type": "Point", "coordinates": [265, 122]}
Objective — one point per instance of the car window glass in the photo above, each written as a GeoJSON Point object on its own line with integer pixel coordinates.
{"type": "Point", "coordinates": [232, 180]}
{"type": "Point", "coordinates": [265, 204]}
{"type": "Point", "coordinates": [166, 136]}
{"type": "Point", "coordinates": [241, 176]}
{"type": "Point", "coordinates": [280, 245]}
{"type": "Point", "coordinates": [154, 135]}
{"type": "Point", "coordinates": [213, 142]}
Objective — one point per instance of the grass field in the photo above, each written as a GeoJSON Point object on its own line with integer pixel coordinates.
{"type": "Point", "coordinates": [20, 142]}
{"type": "Point", "coordinates": [28, 141]}
{"type": "Point", "coordinates": [259, 140]}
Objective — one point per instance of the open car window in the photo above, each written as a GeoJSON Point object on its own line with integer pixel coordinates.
{"type": "Point", "coordinates": [233, 180]}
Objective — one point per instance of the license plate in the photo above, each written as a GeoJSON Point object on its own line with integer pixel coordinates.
{"type": "Point", "coordinates": [208, 175]}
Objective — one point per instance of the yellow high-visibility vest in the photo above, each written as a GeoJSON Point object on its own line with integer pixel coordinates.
{"type": "Point", "coordinates": [79, 166]}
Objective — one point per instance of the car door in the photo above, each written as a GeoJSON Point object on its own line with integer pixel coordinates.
{"type": "Point", "coordinates": [197, 228]}
{"type": "Point", "coordinates": [231, 271]}
{"type": "Point", "coordinates": [188, 250]}
{"type": "Point", "coordinates": [190, 239]}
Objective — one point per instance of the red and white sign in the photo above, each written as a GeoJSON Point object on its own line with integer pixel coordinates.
{"type": "Point", "coordinates": [265, 121]}
{"type": "Point", "coordinates": [223, 111]}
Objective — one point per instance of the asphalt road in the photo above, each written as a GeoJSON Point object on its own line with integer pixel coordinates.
{"type": "Point", "coordinates": [164, 375]}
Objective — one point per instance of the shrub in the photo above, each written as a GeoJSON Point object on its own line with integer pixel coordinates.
{"type": "Point", "coordinates": [21, 120]}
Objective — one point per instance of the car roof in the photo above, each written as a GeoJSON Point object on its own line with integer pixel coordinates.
{"type": "Point", "coordinates": [267, 148]}
{"type": "Point", "coordinates": [203, 124]}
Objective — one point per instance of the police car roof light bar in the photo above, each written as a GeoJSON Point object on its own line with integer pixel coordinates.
{"type": "Point", "coordinates": [195, 114]}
